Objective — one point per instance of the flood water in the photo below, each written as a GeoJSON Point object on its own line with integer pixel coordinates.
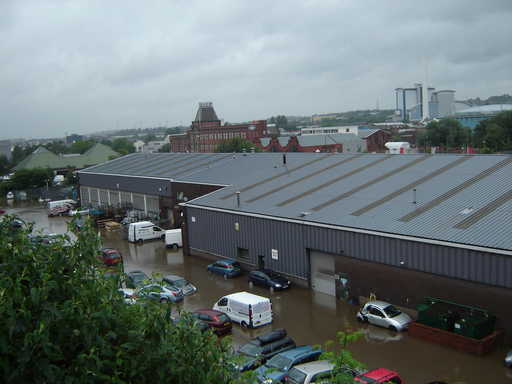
{"type": "Point", "coordinates": [309, 317]}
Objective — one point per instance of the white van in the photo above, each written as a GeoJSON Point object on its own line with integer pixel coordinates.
{"type": "Point", "coordinates": [144, 230]}
{"type": "Point", "coordinates": [173, 238]}
{"type": "Point", "coordinates": [246, 309]}
{"type": "Point", "coordinates": [60, 207]}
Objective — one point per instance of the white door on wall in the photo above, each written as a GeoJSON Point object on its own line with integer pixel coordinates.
{"type": "Point", "coordinates": [322, 272]}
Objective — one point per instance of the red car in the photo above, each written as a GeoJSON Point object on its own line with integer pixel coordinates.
{"type": "Point", "coordinates": [380, 375]}
{"type": "Point", "coordinates": [111, 256]}
{"type": "Point", "coordinates": [218, 322]}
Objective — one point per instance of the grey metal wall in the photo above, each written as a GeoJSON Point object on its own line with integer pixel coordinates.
{"type": "Point", "coordinates": [146, 186]}
{"type": "Point", "coordinates": [215, 232]}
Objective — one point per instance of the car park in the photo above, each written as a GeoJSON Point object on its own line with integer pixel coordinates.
{"type": "Point", "coordinates": [315, 371]}
{"type": "Point", "coordinates": [508, 359]}
{"type": "Point", "coordinates": [156, 292]}
{"type": "Point", "coordinates": [259, 350]}
{"type": "Point", "coordinates": [111, 256]}
{"type": "Point", "coordinates": [226, 268]}
{"type": "Point", "coordinates": [380, 375]}
{"type": "Point", "coordinates": [276, 368]}
{"type": "Point", "coordinates": [181, 283]}
{"type": "Point", "coordinates": [135, 279]}
{"type": "Point", "coordinates": [217, 321]}
{"type": "Point", "coordinates": [268, 278]}
{"type": "Point", "coordinates": [247, 309]}
{"type": "Point", "coordinates": [384, 315]}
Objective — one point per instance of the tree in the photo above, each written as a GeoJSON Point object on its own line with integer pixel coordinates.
{"type": "Point", "coordinates": [342, 358]}
{"type": "Point", "coordinates": [236, 144]}
{"type": "Point", "coordinates": [64, 321]}
{"type": "Point", "coordinates": [494, 134]}
{"type": "Point", "coordinates": [149, 137]}
{"type": "Point", "coordinates": [57, 147]}
{"type": "Point", "coordinates": [120, 145]}
{"type": "Point", "coordinates": [448, 133]}
{"type": "Point", "coordinates": [19, 153]}
{"type": "Point", "coordinates": [31, 178]}
{"type": "Point", "coordinates": [165, 148]}
{"type": "Point", "coordinates": [5, 165]}
{"type": "Point", "coordinates": [81, 146]}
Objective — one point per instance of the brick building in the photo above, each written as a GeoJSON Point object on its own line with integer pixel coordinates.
{"type": "Point", "coordinates": [207, 131]}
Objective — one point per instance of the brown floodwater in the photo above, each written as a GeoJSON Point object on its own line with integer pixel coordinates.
{"type": "Point", "coordinates": [309, 317]}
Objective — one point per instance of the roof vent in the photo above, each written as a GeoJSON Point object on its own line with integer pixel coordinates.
{"type": "Point", "coordinates": [466, 211]}
{"type": "Point", "coordinates": [304, 214]}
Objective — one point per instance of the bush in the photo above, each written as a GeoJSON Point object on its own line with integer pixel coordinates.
{"type": "Point", "coordinates": [62, 321]}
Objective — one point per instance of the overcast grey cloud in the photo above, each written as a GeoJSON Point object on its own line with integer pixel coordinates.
{"type": "Point", "coordinates": [84, 66]}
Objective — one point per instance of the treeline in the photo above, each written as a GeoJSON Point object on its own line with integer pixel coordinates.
{"type": "Point", "coordinates": [489, 136]}
{"type": "Point", "coordinates": [503, 99]}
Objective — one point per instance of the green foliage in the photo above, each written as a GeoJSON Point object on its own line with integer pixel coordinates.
{"type": "Point", "coordinates": [63, 322]}
{"type": "Point", "coordinates": [57, 147]}
{"type": "Point", "coordinates": [342, 357]}
{"type": "Point", "coordinates": [120, 145]}
{"type": "Point", "coordinates": [5, 165]}
{"type": "Point", "coordinates": [19, 153]}
{"type": "Point", "coordinates": [280, 121]}
{"type": "Point", "coordinates": [448, 133]}
{"type": "Point", "coordinates": [494, 134]}
{"type": "Point", "coordinates": [81, 146]}
{"type": "Point", "coordinates": [31, 178]}
{"type": "Point", "coordinates": [236, 144]}
{"type": "Point", "coordinates": [165, 148]}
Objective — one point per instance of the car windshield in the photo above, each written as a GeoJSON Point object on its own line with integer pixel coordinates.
{"type": "Point", "coordinates": [250, 350]}
{"type": "Point", "coordinates": [392, 311]}
{"type": "Point", "coordinates": [296, 377]}
{"type": "Point", "coordinates": [180, 283]}
{"type": "Point", "coordinates": [236, 265]}
{"type": "Point", "coordinates": [280, 362]}
{"type": "Point", "coordinates": [139, 277]}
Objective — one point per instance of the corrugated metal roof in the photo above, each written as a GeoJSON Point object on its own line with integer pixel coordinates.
{"type": "Point", "coordinates": [265, 183]}
{"type": "Point", "coordinates": [328, 139]}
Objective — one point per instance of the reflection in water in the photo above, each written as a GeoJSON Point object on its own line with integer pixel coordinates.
{"type": "Point", "coordinates": [309, 317]}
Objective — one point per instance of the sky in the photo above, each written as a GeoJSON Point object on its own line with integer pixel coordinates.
{"type": "Point", "coordinates": [82, 66]}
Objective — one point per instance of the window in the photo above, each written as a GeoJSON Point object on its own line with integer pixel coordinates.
{"type": "Point", "coordinates": [223, 302]}
{"type": "Point", "coordinates": [242, 254]}
{"type": "Point", "coordinates": [376, 312]}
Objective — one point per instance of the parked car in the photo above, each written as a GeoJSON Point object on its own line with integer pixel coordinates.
{"type": "Point", "coordinates": [218, 322]}
{"type": "Point", "coordinates": [275, 369]}
{"type": "Point", "coordinates": [227, 268]}
{"type": "Point", "coordinates": [111, 256]}
{"type": "Point", "coordinates": [259, 350]}
{"type": "Point", "coordinates": [269, 279]}
{"type": "Point", "coordinates": [179, 282]}
{"type": "Point", "coordinates": [157, 292]}
{"type": "Point", "coordinates": [135, 279]}
{"type": "Point", "coordinates": [49, 238]}
{"type": "Point", "coordinates": [245, 308]}
{"type": "Point", "coordinates": [60, 207]}
{"type": "Point", "coordinates": [508, 359]}
{"type": "Point", "coordinates": [201, 325]}
{"type": "Point", "coordinates": [384, 315]}
{"type": "Point", "coordinates": [380, 375]}
{"type": "Point", "coordinates": [128, 298]}
{"type": "Point", "coordinates": [311, 372]}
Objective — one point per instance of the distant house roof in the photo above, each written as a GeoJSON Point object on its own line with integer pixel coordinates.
{"type": "Point", "coordinates": [363, 133]}
{"type": "Point", "coordinates": [463, 199]}
{"type": "Point", "coordinates": [43, 158]}
{"type": "Point", "coordinates": [328, 139]}
{"type": "Point", "coordinates": [490, 109]}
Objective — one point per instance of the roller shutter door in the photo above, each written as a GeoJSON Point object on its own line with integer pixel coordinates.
{"type": "Point", "coordinates": [103, 197]}
{"type": "Point", "coordinates": [114, 198]}
{"type": "Point", "coordinates": [322, 272]}
{"type": "Point", "coordinates": [152, 204]}
{"type": "Point", "coordinates": [84, 195]}
{"type": "Point", "coordinates": [138, 202]}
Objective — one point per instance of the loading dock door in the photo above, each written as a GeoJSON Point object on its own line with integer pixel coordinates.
{"type": "Point", "coordinates": [322, 272]}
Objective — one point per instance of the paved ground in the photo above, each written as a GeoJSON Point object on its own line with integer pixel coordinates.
{"type": "Point", "coordinates": [309, 317]}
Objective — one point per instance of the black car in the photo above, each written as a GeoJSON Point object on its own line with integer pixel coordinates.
{"type": "Point", "coordinates": [259, 350]}
{"type": "Point", "coordinates": [135, 279]}
{"type": "Point", "coordinates": [268, 278]}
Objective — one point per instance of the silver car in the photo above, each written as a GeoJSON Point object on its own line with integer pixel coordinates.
{"type": "Point", "coordinates": [310, 372]}
{"type": "Point", "coordinates": [384, 315]}
{"type": "Point", "coordinates": [181, 283]}
{"type": "Point", "coordinates": [508, 359]}
{"type": "Point", "coordinates": [157, 292]}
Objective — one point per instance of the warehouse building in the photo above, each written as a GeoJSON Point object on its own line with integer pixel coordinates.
{"type": "Point", "coordinates": [400, 227]}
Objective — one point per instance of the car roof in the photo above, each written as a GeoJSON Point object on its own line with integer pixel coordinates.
{"type": "Point", "coordinates": [173, 277]}
{"type": "Point", "coordinates": [208, 311]}
{"type": "Point", "coordinates": [378, 304]}
{"type": "Point", "coordinates": [296, 352]}
{"type": "Point", "coordinates": [246, 297]}
{"type": "Point", "coordinates": [315, 366]}
{"type": "Point", "coordinates": [379, 374]}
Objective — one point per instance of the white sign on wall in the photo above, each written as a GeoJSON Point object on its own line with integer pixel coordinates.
{"type": "Point", "coordinates": [275, 254]}
{"type": "Point", "coordinates": [193, 219]}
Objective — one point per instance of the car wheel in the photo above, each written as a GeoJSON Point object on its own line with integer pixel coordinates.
{"type": "Point", "coordinates": [392, 328]}
{"type": "Point", "coordinates": [162, 237]}
{"type": "Point", "coordinates": [243, 324]}
{"type": "Point", "coordinates": [140, 241]}
{"type": "Point", "coordinates": [175, 246]}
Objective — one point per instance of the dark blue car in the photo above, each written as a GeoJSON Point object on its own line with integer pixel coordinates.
{"type": "Point", "coordinates": [227, 268]}
{"type": "Point", "coordinates": [275, 369]}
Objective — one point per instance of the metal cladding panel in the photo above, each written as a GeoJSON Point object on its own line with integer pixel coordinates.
{"type": "Point", "coordinates": [157, 187]}
{"type": "Point", "coordinates": [84, 195]}
{"type": "Point", "coordinates": [138, 202]}
{"type": "Point", "coordinates": [114, 198]}
{"type": "Point", "coordinates": [215, 232]}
